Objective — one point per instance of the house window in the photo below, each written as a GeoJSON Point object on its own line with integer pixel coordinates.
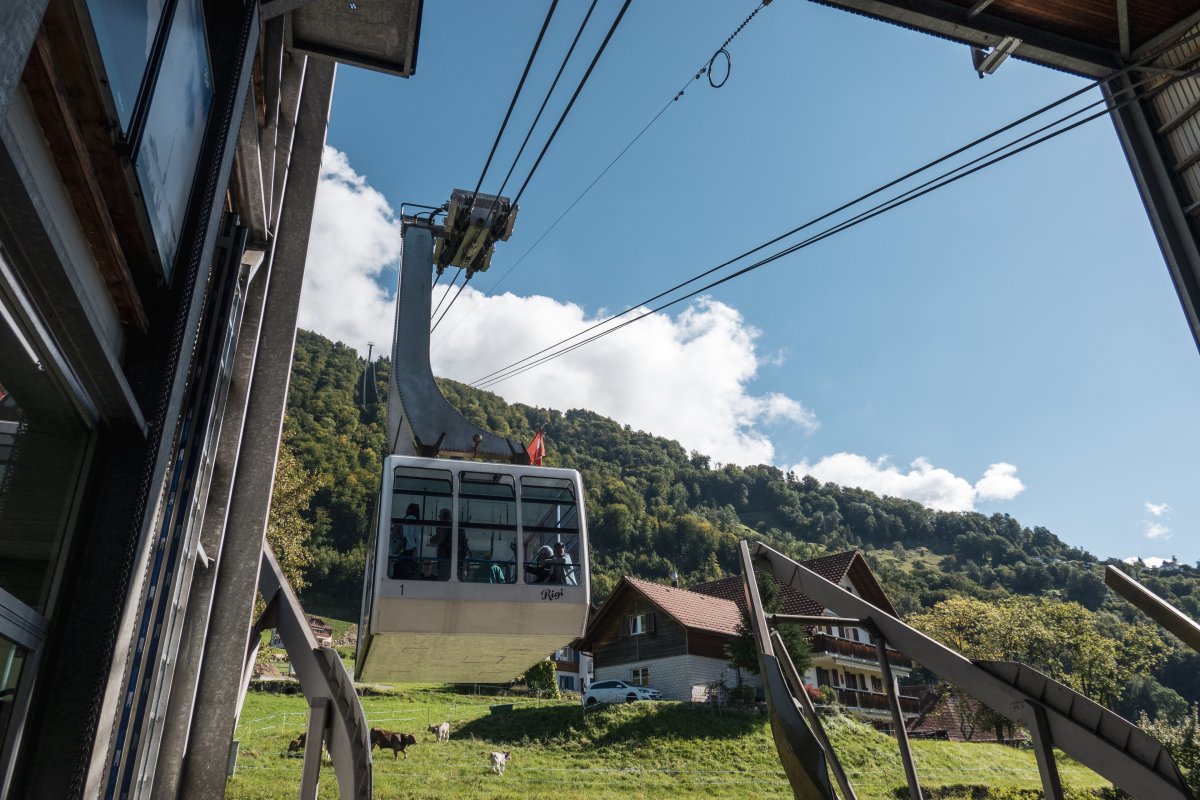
{"type": "Point", "coordinates": [822, 677]}
{"type": "Point", "coordinates": [638, 625]}
{"type": "Point", "coordinates": [876, 684]}
{"type": "Point", "coordinates": [566, 682]}
{"type": "Point", "coordinates": [641, 676]}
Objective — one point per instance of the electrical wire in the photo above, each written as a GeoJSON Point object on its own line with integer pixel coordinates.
{"type": "Point", "coordinates": [448, 288]}
{"type": "Point", "coordinates": [537, 117]}
{"type": "Point", "coordinates": [520, 84]}
{"type": "Point", "coordinates": [701, 71]}
{"type": "Point", "coordinates": [451, 303]}
{"type": "Point", "coordinates": [571, 103]}
{"type": "Point", "coordinates": [912, 194]}
{"type": "Point", "coordinates": [1003, 129]}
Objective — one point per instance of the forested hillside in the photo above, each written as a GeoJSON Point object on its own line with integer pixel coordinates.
{"type": "Point", "coordinates": [654, 508]}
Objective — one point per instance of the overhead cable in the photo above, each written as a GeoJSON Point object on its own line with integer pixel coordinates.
{"type": "Point", "coordinates": [520, 84]}
{"type": "Point", "coordinates": [446, 293]}
{"type": "Point", "coordinates": [701, 71]}
{"type": "Point", "coordinates": [537, 117]}
{"type": "Point", "coordinates": [571, 103]}
{"type": "Point", "coordinates": [1003, 129]}
{"type": "Point", "coordinates": [934, 184]}
{"type": "Point", "coordinates": [451, 303]}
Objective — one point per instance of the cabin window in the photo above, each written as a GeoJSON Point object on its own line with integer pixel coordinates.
{"type": "Point", "coordinates": [419, 544]}
{"type": "Point", "coordinates": [487, 519]}
{"type": "Point", "coordinates": [638, 624]}
{"type": "Point", "coordinates": [640, 676]}
{"type": "Point", "coordinates": [876, 684]}
{"type": "Point", "coordinates": [550, 530]}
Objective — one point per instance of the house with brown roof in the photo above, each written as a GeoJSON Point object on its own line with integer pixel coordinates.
{"type": "Point", "coordinates": [844, 657]}
{"type": "Point", "coordinates": [674, 639]}
{"type": "Point", "coordinates": [661, 636]}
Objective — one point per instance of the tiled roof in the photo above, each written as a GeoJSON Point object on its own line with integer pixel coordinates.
{"type": "Point", "coordinates": [730, 588]}
{"type": "Point", "coordinates": [832, 568]}
{"type": "Point", "coordinates": [692, 610]}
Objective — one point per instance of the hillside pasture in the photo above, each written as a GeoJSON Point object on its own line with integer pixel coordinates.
{"type": "Point", "coordinates": [623, 752]}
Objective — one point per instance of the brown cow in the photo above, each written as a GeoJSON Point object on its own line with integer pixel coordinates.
{"type": "Point", "coordinates": [390, 739]}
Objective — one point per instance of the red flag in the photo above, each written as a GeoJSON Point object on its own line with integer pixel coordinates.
{"type": "Point", "coordinates": [537, 450]}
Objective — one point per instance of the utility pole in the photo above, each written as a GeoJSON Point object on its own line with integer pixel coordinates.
{"type": "Point", "coordinates": [370, 350]}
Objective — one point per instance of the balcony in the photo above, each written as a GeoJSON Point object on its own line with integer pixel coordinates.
{"type": "Point", "coordinates": [856, 699]}
{"type": "Point", "coordinates": [823, 643]}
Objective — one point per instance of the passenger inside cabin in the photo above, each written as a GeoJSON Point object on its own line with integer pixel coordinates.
{"type": "Point", "coordinates": [538, 568]}
{"type": "Point", "coordinates": [410, 541]}
{"type": "Point", "coordinates": [441, 539]}
{"type": "Point", "coordinates": [561, 570]}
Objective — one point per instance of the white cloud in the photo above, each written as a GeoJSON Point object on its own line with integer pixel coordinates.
{"type": "Point", "coordinates": [685, 377]}
{"type": "Point", "coordinates": [1154, 562]}
{"type": "Point", "coordinates": [932, 486]}
{"type": "Point", "coordinates": [999, 482]}
{"type": "Point", "coordinates": [1156, 530]}
{"type": "Point", "coordinates": [1157, 509]}
{"type": "Point", "coordinates": [355, 243]}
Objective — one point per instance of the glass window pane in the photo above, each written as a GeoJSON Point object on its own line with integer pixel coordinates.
{"type": "Point", "coordinates": [487, 516]}
{"type": "Point", "coordinates": [12, 658]}
{"type": "Point", "coordinates": [125, 31]}
{"type": "Point", "coordinates": [419, 545]}
{"type": "Point", "coordinates": [43, 443]}
{"type": "Point", "coordinates": [178, 115]}
{"type": "Point", "coordinates": [550, 530]}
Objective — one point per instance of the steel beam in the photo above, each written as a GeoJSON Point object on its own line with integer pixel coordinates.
{"type": "Point", "coordinates": [233, 601]}
{"type": "Point", "coordinates": [1154, 607]}
{"type": "Point", "coordinates": [1161, 197]}
{"type": "Point", "coordinates": [1089, 733]}
{"type": "Point", "coordinates": [805, 704]}
{"type": "Point", "coordinates": [893, 699]}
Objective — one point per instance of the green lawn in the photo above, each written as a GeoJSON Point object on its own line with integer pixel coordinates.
{"type": "Point", "coordinates": [645, 750]}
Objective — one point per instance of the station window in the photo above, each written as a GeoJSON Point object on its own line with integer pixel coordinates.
{"type": "Point", "coordinates": [487, 519]}
{"type": "Point", "coordinates": [45, 438]}
{"type": "Point", "coordinates": [550, 530]}
{"type": "Point", "coordinates": [419, 544]}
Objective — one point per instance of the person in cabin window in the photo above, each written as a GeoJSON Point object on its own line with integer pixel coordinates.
{"type": "Point", "coordinates": [561, 570]}
{"type": "Point", "coordinates": [410, 541]}
{"type": "Point", "coordinates": [441, 539]}
{"type": "Point", "coordinates": [538, 569]}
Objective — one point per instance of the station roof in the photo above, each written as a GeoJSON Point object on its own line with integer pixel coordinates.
{"type": "Point", "coordinates": [380, 36]}
{"type": "Point", "coordinates": [1089, 37]}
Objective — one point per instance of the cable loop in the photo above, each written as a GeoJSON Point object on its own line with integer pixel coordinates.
{"type": "Point", "coordinates": [728, 68]}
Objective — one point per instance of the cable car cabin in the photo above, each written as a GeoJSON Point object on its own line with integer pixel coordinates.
{"type": "Point", "coordinates": [474, 573]}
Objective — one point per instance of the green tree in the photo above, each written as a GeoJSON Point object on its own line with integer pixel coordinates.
{"type": "Point", "coordinates": [742, 651]}
{"type": "Point", "coordinates": [1182, 740]}
{"type": "Point", "coordinates": [288, 530]}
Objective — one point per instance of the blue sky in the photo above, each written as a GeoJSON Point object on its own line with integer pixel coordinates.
{"type": "Point", "coordinates": [1016, 334]}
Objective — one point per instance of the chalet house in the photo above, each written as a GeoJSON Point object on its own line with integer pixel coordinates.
{"type": "Point", "coordinates": [844, 657]}
{"type": "Point", "coordinates": [573, 668]}
{"type": "Point", "coordinates": [674, 639]}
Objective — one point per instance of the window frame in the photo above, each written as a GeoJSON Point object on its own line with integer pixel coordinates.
{"type": "Point", "coordinates": [639, 624]}
{"type": "Point", "coordinates": [641, 677]}
{"type": "Point", "coordinates": [26, 627]}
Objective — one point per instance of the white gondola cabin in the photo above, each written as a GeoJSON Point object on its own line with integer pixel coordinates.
{"type": "Point", "coordinates": [475, 571]}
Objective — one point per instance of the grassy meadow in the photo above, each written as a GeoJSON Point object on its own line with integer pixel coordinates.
{"type": "Point", "coordinates": [642, 750]}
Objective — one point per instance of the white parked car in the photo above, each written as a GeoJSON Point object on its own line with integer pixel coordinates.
{"type": "Point", "coordinates": [618, 692]}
